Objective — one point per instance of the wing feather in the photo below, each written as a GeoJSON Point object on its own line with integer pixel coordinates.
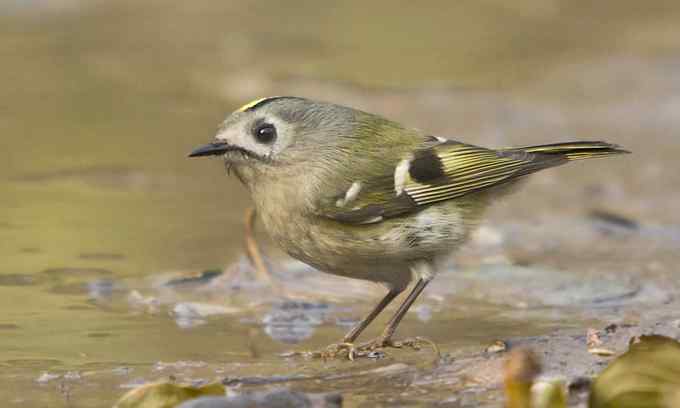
{"type": "Point", "coordinates": [443, 171]}
{"type": "Point", "coordinates": [468, 169]}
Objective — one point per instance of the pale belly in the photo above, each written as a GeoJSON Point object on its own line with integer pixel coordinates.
{"type": "Point", "coordinates": [381, 252]}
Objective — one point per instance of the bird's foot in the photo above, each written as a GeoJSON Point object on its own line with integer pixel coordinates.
{"type": "Point", "coordinates": [333, 351]}
{"type": "Point", "coordinates": [375, 348]}
{"type": "Point", "coordinates": [380, 344]}
{"type": "Point", "coordinates": [416, 343]}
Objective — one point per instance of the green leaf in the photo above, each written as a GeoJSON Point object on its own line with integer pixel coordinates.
{"type": "Point", "coordinates": [646, 376]}
{"type": "Point", "coordinates": [166, 395]}
{"type": "Point", "coordinates": [548, 395]}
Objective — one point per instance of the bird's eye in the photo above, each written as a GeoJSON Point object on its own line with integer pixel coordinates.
{"type": "Point", "coordinates": [264, 133]}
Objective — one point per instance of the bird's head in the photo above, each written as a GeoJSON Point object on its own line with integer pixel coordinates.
{"type": "Point", "coordinates": [277, 132]}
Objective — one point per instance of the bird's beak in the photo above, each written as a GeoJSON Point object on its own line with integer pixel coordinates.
{"type": "Point", "coordinates": [211, 149]}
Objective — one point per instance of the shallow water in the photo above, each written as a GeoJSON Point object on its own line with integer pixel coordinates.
{"type": "Point", "coordinates": [100, 209]}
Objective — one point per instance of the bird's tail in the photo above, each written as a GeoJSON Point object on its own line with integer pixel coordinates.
{"type": "Point", "coordinates": [572, 150]}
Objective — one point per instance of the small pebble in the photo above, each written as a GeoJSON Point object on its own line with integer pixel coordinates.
{"type": "Point", "coordinates": [376, 355]}
{"type": "Point", "coordinates": [497, 346]}
{"type": "Point", "coordinates": [602, 352]}
{"type": "Point", "coordinates": [593, 339]}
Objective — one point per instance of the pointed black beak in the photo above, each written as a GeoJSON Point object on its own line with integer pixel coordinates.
{"type": "Point", "coordinates": [211, 149]}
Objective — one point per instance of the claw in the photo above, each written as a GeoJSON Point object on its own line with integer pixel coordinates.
{"type": "Point", "coordinates": [368, 349]}
{"type": "Point", "coordinates": [334, 350]}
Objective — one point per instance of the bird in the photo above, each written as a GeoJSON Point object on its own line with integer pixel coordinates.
{"type": "Point", "coordinates": [358, 195]}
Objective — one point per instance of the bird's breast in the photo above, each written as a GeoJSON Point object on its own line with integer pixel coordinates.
{"type": "Point", "coordinates": [367, 251]}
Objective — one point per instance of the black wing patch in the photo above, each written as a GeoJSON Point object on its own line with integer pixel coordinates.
{"type": "Point", "coordinates": [426, 166]}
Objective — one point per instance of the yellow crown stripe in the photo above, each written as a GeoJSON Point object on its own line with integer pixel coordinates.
{"type": "Point", "coordinates": [253, 103]}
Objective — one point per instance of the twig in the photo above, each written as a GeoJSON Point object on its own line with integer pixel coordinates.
{"type": "Point", "coordinates": [262, 272]}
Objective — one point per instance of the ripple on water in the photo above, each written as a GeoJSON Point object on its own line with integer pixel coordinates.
{"type": "Point", "coordinates": [116, 178]}
{"type": "Point", "coordinates": [76, 271]}
{"type": "Point", "coordinates": [96, 283]}
{"type": "Point", "coordinates": [16, 279]}
{"type": "Point", "coordinates": [77, 288]}
{"type": "Point", "coordinates": [101, 256]}
{"type": "Point", "coordinates": [97, 289]}
{"type": "Point", "coordinates": [32, 363]}
{"type": "Point", "coordinates": [512, 284]}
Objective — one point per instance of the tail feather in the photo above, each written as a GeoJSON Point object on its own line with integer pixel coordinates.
{"type": "Point", "coordinates": [573, 150]}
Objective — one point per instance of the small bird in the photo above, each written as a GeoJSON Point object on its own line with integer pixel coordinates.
{"type": "Point", "coordinates": [357, 195]}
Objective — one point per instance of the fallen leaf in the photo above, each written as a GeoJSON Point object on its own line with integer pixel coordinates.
{"type": "Point", "coordinates": [166, 395]}
{"type": "Point", "coordinates": [647, 375]}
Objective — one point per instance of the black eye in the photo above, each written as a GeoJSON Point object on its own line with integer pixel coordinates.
{"type": "Point", "coordinates": [264, 133]}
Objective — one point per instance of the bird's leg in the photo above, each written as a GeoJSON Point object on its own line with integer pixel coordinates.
{"type": "Point", "coordinates": [347, 343]}
{"type": "Point", "coordinates": [385, 339]}
{"type": "Point", "coordinates": [424, 273]}
{"type": "Point", "coordinates": [356, 330]}
{"type": "Point", "coordinates": [352, 351]}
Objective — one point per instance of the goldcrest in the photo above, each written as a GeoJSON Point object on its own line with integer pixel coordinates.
{"type": "Point", "coordinates": [357, 195]}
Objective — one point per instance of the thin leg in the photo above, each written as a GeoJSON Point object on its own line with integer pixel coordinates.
{"type": "Point", "coordinates": [356, 330]}
{"type": "Point", "coordinates": [391, 327]}
{"type": "Point", "coordinates": [423, 272]}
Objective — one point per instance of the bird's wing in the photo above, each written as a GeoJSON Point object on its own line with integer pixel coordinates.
{"type": "Point", "coordinates": [427, 175]}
